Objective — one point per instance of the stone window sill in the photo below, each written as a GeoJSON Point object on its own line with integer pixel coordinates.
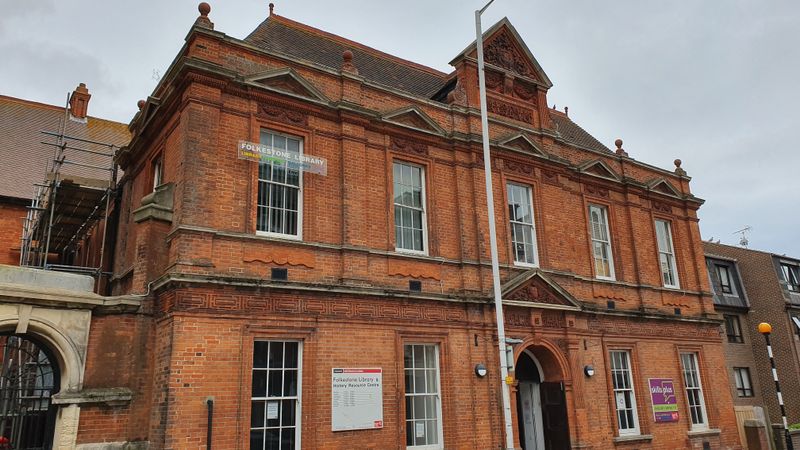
{"type": "Point", "coordinates": [703, 433]}
{"type": "Point", "coordinates": [633, 438]}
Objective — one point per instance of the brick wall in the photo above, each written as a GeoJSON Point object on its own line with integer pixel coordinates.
{"type": "Point", "coordinates": [11, 217]}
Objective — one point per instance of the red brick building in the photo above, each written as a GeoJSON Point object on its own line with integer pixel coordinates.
{"type": "Point", "coordinates": [262, 285]}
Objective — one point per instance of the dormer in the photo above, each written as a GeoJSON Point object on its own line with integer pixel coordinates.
{"type": "Point", "coordinates": [516, 84]}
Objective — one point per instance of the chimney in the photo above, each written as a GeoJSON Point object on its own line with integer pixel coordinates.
{"type": "Point", "coordinates": [79, 102]}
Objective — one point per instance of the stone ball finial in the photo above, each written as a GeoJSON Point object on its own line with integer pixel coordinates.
{"type": "Point", "coordinates": [620, 151]}
{"type": "Point", "coordinates": [347, 56]}
{"type": "Point", "coordinates": [271, 8]}
{"type": "Point", "coordinates": [204, 9]}
{"type": "Point", "coordinates": [618, 143]}
{"type": "Point", "coordinates": [678, 163]}
{"type": "Point", "coordinates": [140, 104]}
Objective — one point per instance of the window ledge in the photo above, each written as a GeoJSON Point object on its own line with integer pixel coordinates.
{"type": "Point", "coordinates": [633, 438]}
{"type": "Point", "coordinates": [703, 433]}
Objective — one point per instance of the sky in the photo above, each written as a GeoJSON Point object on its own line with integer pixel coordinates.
{"type": "Point", "coordinates": [714, 83]}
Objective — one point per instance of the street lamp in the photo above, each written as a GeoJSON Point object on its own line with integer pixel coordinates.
{"type": "Point", "coordinates": [498, 300]}
{"type": "Point", "coordinates": [765, 329]}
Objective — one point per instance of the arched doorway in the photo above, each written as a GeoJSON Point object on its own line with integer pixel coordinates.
{"type": "Point", "coordinates": [541, 406]}
{"type": "Point", "coordinates": [28, 378]}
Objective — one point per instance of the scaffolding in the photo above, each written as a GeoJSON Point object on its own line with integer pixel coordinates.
{"type": "Point", "coordinates": [78, 188]}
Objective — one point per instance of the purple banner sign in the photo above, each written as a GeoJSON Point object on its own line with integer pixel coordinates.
{"type": "Point", "coordinates": [665, 403]}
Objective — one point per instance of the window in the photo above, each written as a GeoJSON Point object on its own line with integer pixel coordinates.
{"type": "Point", "coordinates": [666, 254]}
{"type": "Point", "coordinates": [423, 404]}
{"type": "Point", "coordinates": [790, 276]}
{"type": "Point", "coordinates": [694, 390]}
{"type": "Point", "coordinates": [601, 242]}
{"type": "Point", "coordinates": [158, 172]}
{"type": "Point", "coordinates": [280, 197]}
{"type": "Point", "coordinates": [275, 403]}
{"type": "Point", "coordinates": [744, 388]}
{"type": "Point", "coordinates": [624, 396]}
{"type": "Point", "coordinates": [409, 207]}
{"type": "Point", "coordinates": [725, 279]}
{"type": "Point", "coordinates": [733, 329]}
{"type": "Point", "coordinates": [523, 231]}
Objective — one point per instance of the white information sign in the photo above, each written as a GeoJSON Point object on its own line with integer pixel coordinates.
{"type": "Point", "coordinates": [357, 399]}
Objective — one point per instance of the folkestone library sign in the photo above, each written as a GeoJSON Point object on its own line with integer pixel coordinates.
{"type": "Point", "coordinates": [357, 399]}
{"type": "Point", "coordinates": [294, 160]}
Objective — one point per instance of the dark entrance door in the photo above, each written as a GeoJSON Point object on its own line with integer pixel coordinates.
{"type": "Point", "coordinates": [554, 415]}
{"type": "Point", "coordinates": [27, 380]}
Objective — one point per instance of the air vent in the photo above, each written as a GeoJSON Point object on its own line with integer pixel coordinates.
{"type": "Point", "coordinates": [677, 311]}
{"type": "Point", "coordinates": [415, 286]}
{"type": "Point", "coordinates": [611, 304]}
{"type": "Point", "coordinates": [280, 274]}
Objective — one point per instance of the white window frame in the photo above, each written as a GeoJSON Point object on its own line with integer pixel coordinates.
{"type": "Point", "coordinates": [529, 192]}
{"type": "Point", "coordinates": [669, 253]}
{"type": "Point", "coordinates": [299, 235]}
{"type": "Point", "coordinates": [628, 372]}
{"type": "Point", "coordinates": [740, 382]}
{"type": "Point", "coordinates": [699, 388]}
{"type": "Point", "coordinates": [424, 209]}
{"type": "Point", "coordinates": [299, 401]}
{"type": "Point", "coordinates": [729, 274]}
{"type": "Point", "coordinates": [438, 396]}
{"type": "Point", "coordinates": [158, 172]}
{"type": "Point", "coordinates": [606, 243]}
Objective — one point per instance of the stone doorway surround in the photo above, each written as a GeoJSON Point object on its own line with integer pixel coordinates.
{"type": "Point", "coordinates": [56, 309]}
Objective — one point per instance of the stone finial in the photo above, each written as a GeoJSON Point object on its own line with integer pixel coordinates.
{"type": "Point", "coordinates": [140, 104]}
{"type": "Point", "coordinates": [566, 111]}
{"type": "Point", "coordinates": [203, 20]}
{"type": "Point", "coordinates": [678, 170]}
{"type": "Point", "coordinates": [271, 8]}
{"type": "Point", "coordinates": [347, 62]}
{"type": "Point", "coordinates": [620, 150]}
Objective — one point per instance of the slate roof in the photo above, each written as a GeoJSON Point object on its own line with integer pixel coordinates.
{"type": "Point", "coordinates": [573, 133]}
{"type": "Point", "coordinates": [286, 37]}
{"type": "Point", "coordinates": [24, 160]}
{"type": "Point", "coordinates": [283, 36]}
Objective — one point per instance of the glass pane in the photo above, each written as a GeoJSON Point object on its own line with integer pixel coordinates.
{"type": "Point", "coordinates": [430, 431]}
{"type": "Point", "coordinates": [259, 383]}
{"type": "Point", "coordinates": [419, 407]}
{"type": "Point", "coordinates": [409, 381]}
{"type": "Point", "coordinates": [279, 142]}
{"type": "Point", "coordinates": [257, 414]}
{"type": "Point", "coordinates": [430, 356]}
{"type": "Point", "coordinates": [408, 239]}
{"type": "Point", "coordinates": [273, 439]}
{"type": "Point", "coordinates": [275, 386]}
{"type": "Point", "coordinates": [256, 439]}
{"type": "Point", "coordinates": [290, 356]}
{"type": "Point", "coordinates": [410, 433]}
{"type": "Point", "coordinates": [418, 240]}
{"type": "Point", "coordinates": [275, 355]}
{"type": "Point", "coordinates": [288, 412]}
{"type": "Point", "coordinates": [430, 406]}
{"type": "Point", "coordinates": [408, 356]}
{"type": "Point", "coordinates": [287, 439]}
{"type": "Point", "coordinates": [260, 354]}
{"type": "Point", "coordinates": [409, 407]}
{"type": "Point", "coordinates": [419, 356]}
{"type": "Point", "coordinates": [293, 145]}
{"type": "Point", "coordinates": [290, 383]}
{"type": "Point", "coordinates": [419, 381]}
{"type": "Point", "coordinates": [416, 177]}
{"type": "Point", "coordinates": [396, 173]}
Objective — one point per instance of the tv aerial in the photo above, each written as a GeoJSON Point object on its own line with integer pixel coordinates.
{"type": "Point", "coordinates": [743, 240]}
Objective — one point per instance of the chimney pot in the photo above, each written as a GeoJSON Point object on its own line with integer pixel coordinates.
{"type": "Point", "coordinates": [271, 7]}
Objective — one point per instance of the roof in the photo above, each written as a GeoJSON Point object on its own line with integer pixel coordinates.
{"type": "Point", "coordinates": [574, 134]}
{"type": "Point", "coordinates": [286, 37]}
{"type": "Point", "coordinates": [25, 160]}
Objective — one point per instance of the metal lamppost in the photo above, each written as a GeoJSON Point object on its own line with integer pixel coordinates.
{"type": "Point", "coordinates": [765, 329]}
{"type": "Point", "coordinates": [498, 300]}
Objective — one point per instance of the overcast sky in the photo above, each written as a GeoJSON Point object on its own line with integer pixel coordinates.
{"type": "Point", "coordinates": [714, 83]}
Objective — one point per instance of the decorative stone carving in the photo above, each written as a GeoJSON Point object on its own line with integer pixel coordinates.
{"type": "Point", "coordinates": [510, 111]}
{"type": "Point", "coordinates": [458, 95]}
{"type": "Point", "coordinates": [596, 191]}
{"type": "Point", "coordinates": [522, 169]}
{"type": "Point", "coordinates": [503, 53]}
{"type": "Point", "coordinates": [550, 177]}
{"type": "Point", "coordinates": [494, 81]}
{"type": "Point", "coordinates": [408, 146]}
{"type": "Point", "coordinates": [523, 91]}
{"type": "Point", "coordinates": [662, 207]}
{"type": "Point", "coordinates": [281, 114]}
{"type": "Point", "coordinates": [532, 293]}
{"type": "Point", "coordinates": [553, 319]}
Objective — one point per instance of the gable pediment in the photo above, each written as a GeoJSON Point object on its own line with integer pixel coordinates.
{"type": "Point", "coordinates": [663, 186]}
{"type": "Point", "coordinates": [524, 143]}
{"type": "Point", "coordinates": [503, 48]}
{"type": "Point", "coordinates": [534, 287]}
{"type": "Point", "coordinates": [286, 81]}
{"type": "Point", "coordinates": [599, 169]}
{"type": "Point", "coordinates": [413, 117]}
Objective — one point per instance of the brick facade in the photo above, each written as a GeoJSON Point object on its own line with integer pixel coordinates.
{"type": "Point", "coordinates": [12, 213]}
{"type": "Point", "coordinates": [770, 301]}
{"type": "Point", "coordinates": [192, 247]}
